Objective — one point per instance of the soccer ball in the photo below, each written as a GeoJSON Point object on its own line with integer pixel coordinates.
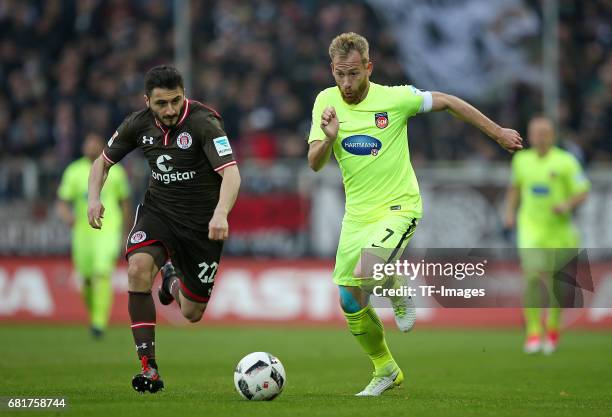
{"type": "Point", "coordinates": [259, 376]}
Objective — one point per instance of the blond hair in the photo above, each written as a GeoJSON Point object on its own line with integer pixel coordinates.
{"type": "Point", "coordinates": [343, 44]}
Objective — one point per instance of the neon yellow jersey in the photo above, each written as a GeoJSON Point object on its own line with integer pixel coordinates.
{"type": "Point", "coordinates": [73, 189]}
{"type": "Point", "coordinates": [545, 182]}
{"type": "Point", "coordinates": [372, 150]}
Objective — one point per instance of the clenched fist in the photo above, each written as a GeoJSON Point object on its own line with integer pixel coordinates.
{"type": "Point", "coordinates": [329, 123]}
{"type": "Point", "coordinates": [510, 140]}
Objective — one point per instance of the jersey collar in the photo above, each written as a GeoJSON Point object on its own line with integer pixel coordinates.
{"type": "Point", "coordinates": [185, 113]}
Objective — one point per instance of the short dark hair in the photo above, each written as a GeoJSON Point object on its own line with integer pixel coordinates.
{"type": "Point", "coordinates": [162, 76]}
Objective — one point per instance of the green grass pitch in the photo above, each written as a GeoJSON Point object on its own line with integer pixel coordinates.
{"type": "Point", "coordinates": [449, 373]}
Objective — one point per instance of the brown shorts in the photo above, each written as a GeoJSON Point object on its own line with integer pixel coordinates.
{"type": "Point", "coordinates": [195, 257]}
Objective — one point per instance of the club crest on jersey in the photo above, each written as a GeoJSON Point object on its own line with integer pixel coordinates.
{"type": "Point", "coordinates": [381, 120]}
{"type": "Point", "coordinates": [184, 140]}
{"type": "Point", "coordinates": [138, 237]}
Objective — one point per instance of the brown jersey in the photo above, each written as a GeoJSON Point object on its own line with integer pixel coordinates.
{"type": "Point", "coordinates": [185, 161]}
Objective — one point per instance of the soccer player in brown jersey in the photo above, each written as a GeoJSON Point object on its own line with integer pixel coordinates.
{"type": "Point", "coordinates": [183, 218]}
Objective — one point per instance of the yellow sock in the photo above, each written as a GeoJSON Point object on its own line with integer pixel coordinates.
{"type": "Point", "coordinates": [553, 322]}
{"type": "Point", "coordinates": [532, 302]}
{"type": "Point", "coordinates": [86, 291]}
{"type": "Point", "coordinates": [558, 292]}
{"type": "Point", "coordinates": [102, 300]}
{"type": "Point", "coordinates": [368, 330]}
{"type": "Point", "coordinates": [532, 320]}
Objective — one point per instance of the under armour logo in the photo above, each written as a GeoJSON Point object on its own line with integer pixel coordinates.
{"type": "Point", "coordinates": [148, 140]}
{"type": "Point", "coordinates": [141, 346]}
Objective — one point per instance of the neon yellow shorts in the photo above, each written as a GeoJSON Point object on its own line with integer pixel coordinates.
{"type": "Point", "coordinates": [95, 253]}
{"type": "Point", "coordinates": [529, 237]}
{"type": "Point", "coordinates": [546, 251]}
{"type": "Point", "coordinates": [391, 232]}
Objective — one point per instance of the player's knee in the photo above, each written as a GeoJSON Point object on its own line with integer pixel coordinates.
{"type": "Point", "coordinates": [348, 301]}
{"type": "Point", "coordinates": [139, 275]}
{"type": "Point", "coordinates": [194, 315]}
{"type": "Point", "coordinates": [137, 272]}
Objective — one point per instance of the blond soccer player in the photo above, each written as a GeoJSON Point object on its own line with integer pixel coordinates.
{"type": "Point", "coordinates": [364, 125]}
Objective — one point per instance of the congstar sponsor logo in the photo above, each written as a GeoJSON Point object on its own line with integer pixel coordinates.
{"type": "Point", "coordinates": [163, 164]}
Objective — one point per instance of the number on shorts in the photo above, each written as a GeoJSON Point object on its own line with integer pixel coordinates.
{"type": "Point", "coordinates": [388, 236]}
{"type": "Point", "coordinates": [208, 272]}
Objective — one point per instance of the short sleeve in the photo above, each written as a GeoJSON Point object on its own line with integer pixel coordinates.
{"type": "Point", "coordinates": [576, 179]}
{"type": "Point", "coordinates": [514, 176]}
{"type": "Point", "coordinates": [316, 133]}
{"type": "Point", "coordinates": [215, 143]}
{"type": "Point", "coordinates": [415, 101]}
{"type": "Point", "coordinates": [66, 190]}
{"type": "Point", "coordinates": [121, 143]}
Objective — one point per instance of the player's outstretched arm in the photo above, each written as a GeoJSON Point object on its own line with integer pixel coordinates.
{"type": "Point", "coordinates": [218, 228]}
{"type": "Point", "coordinates": [508, 139]}
{"type": "Point", "coordinates": [319, 151]}
{"type": "Point", "coordinates": [97, 177]}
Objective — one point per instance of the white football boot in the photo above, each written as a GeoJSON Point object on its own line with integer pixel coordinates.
{"type": "Point", "coordinates": [380, 384]}
{"type": "Point", "coordinates": [532, 345]}
{"type": "Point", "coordinates": [551, 343]}
{"type": "Point", "coordinates": [404, 310]}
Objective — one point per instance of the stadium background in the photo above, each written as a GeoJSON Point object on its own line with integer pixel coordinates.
{"type": "Point", "coordinates": [68, 67]}
{"type": "Point", "coordinates": [71, 67]}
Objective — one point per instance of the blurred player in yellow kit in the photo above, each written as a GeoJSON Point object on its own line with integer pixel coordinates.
{"type": "Point", "coordinates": [548, 183]}
{"type": "Point", "coordinates": [365, 125]}
{"type": "Point", "coordinates": [94, 252]}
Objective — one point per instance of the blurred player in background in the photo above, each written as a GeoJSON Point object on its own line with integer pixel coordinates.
{"type": "Point", "coordinates": [547, 185]}
{"type": "Point", "coordinates": [194, 184]}
{"type": "Point", "coordinates": [364, 125]}
{"type": "Point", "coordinates": [94, 252]}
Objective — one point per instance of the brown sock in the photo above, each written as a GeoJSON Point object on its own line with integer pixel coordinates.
{"type": "Point", "coordinates": [142, 314]}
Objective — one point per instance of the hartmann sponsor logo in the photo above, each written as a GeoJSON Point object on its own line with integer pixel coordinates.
{"type": "Point", "coordinates": [173, 177]}
{"type": "Point", "coordinates": [362, 145]}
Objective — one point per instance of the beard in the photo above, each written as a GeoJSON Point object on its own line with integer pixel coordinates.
{"type": "Point", "coordinates": [357, 94]}
{"type": "Point", "coordinates": [169, 121]}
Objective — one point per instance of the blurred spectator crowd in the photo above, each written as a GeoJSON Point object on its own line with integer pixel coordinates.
{"type": "Point", "coordinates": [586, 76]}
{"type": "Point", "coordinates": [68, 67]}
{"type": "Point", "coordinates": [72, 66]}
